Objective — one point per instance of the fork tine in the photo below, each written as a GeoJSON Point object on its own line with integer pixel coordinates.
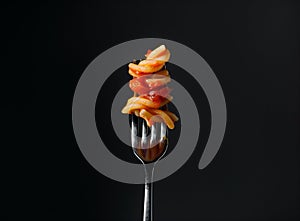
{"type": "Point", "coordinates": [158, 132]}
{"type": "Point", "coordinates": [134, 137]}
{"type": "Point", "coordinates": [144, 141]}
{"type": "Point", "coordinates": [163, 131]}
{"type": "Point", "coordinates": [153, 136]}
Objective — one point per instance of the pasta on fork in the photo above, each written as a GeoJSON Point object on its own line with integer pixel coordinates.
{"type": "Point", "coordinates": [151, 92]}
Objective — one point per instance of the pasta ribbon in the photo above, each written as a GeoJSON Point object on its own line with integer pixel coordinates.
{"type": "Point", "coordinates": [150, 80]}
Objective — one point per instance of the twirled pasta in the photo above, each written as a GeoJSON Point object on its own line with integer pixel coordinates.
{"type": "Point", "coordinates": [149, 85]}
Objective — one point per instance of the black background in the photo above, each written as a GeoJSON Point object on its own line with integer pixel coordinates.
{"type": "Point", "coordinates": [252, 46]}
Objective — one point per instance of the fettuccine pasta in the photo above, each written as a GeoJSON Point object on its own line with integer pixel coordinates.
{"type": "Point", "coordinates": [151, 92]}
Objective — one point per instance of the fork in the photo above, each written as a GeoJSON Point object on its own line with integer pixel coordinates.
{"type": "Point", "coordinates": [149, 145]}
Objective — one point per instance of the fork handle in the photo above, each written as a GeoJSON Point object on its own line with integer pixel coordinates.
{"type": "Point", "coordinates": [147, 216]}
{"type": "Point", "coordinates": [147, 213]}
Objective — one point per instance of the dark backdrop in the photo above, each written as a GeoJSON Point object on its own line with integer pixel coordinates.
{"type": "Point", "coordinates": [252, 46]}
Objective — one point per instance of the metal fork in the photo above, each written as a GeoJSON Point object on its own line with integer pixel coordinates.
{"type": "Point", "coordinates": [149, 146]}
